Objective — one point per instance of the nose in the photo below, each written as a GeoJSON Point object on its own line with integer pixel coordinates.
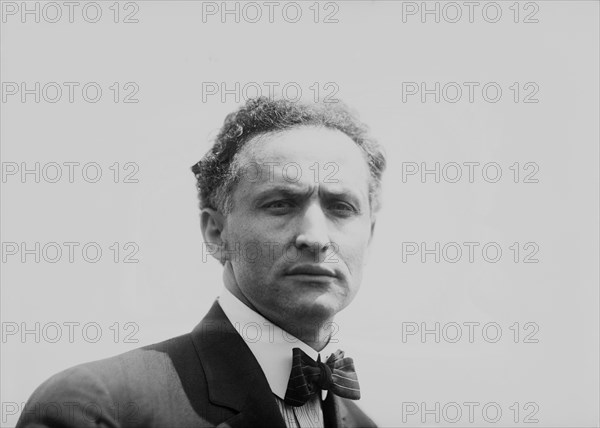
{"type": "Point", "coordinates": [312, 230]}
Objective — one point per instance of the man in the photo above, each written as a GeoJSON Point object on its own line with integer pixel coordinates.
{"type": "Point", "coordinates": [288, 197]}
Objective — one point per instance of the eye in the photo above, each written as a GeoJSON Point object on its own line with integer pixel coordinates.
{"type": "Point", "coordinates": [342, 207]}
{"type": "Point", "coordinates": [279, 206]}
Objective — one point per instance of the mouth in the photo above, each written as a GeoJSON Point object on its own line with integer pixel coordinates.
{"type": "Point", "coordinates": [310, 271]}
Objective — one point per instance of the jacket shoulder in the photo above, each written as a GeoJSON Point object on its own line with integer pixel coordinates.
{"type": "Point", "coordinates": [137, 388]}
{"type": "Point", "coordinates": [352, 415]}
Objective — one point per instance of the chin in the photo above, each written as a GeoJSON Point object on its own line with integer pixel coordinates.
{"type": "Point", "coordinates": [323, 307]}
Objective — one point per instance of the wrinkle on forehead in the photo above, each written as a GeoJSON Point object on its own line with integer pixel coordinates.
{"type": "Point", "coordinates": [309, 147]}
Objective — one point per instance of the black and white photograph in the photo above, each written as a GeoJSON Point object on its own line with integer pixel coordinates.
{"type": "Point", "coordinates": [300, 214]}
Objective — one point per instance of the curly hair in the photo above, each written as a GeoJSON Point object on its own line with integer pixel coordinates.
{"type": "Point", "coordinates": [218, 171]}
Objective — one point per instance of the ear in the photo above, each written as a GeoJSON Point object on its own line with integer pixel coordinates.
{"type": "Point", "coordinates": [212, 223]}
{"type": "Point", "coordinates": [368, 255]}
{"type": "Point", "coordinates": [373, 221]}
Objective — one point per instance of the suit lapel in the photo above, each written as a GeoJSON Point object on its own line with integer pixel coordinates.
{"type": "Point", "coordinates": [234, 377]}
{"type": "Point", "coordinates": [331, 411]}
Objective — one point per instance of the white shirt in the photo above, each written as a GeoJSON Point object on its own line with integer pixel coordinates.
{"type": "Point", "coordinates": [272, 348]}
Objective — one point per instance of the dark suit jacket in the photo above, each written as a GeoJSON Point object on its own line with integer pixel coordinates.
{"type": "Point", "coordinates": [208, 377]}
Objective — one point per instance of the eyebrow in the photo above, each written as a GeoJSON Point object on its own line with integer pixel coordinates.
{"type": "Point", "coordinates": [289, 191]}
{"type": "Point", "coordinates": [298, 192]}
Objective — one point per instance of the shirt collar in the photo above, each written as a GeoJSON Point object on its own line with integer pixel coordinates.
{"type": "Point", "coordinates": [270, 345]}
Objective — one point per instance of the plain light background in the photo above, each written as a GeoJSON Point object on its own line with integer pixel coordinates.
{"type": "Point", "coordinates": [367, 54]}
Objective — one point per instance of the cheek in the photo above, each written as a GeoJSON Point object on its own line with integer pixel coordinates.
{"type": "Point", "coordinates": [251, 230]}
{"type": "Point", "coordinates": [253, 256]}
{"type": "Point", "coordinates": [236, 234]}
{"type": "Point", "coordinates": [354, 251]}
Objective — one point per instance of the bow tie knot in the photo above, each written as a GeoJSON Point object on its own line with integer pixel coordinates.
{"type": "Point", "coordinates": [325, 379]}
{"type": "Point", "coordinates": [308, 377]}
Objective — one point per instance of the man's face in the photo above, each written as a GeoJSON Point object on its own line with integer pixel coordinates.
{"type": "Point", "coordinates": [301, 223]}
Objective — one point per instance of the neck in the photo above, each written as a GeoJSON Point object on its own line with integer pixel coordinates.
{"type": "Point", "coordinates": [314, 332]}
{"type": "Point", "coordinates": [315, 335]}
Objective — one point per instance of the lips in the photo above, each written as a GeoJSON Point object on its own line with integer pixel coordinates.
{"type": "Point", "coordinates": [312, 270]}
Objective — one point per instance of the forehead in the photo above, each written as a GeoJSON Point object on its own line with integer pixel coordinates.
{"type": "Point", "coordinates": [306, 155]}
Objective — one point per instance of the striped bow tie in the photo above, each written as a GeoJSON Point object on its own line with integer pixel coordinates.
{"type": "Point", "coordinates": [308, 377]}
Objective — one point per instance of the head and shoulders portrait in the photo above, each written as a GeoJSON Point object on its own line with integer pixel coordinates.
{"type": "Point", "coordinates": [288, 197]}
